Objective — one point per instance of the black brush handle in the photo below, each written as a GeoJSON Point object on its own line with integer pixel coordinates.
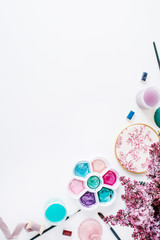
{"type": "Point", "coordinates": [53, 226]}
{"type": "Point", "coordinates": [46, 230]}
{"type": "Point", "coordinates": [115, 234]}
{"type": "Point", "coordinates": [156, 52]}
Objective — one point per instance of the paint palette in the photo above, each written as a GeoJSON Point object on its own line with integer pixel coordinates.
{"type": "Point", "coordinates": [94, 183]}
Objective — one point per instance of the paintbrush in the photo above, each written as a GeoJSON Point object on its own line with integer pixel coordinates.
{"type": "Point", "coordinates": [112, 230]}
{"type": "Point", "coordinates": [156, 52]}
{"type": "Point", "coordinates": [53, 226]}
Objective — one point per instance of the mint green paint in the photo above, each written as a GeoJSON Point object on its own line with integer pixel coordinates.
{"type": "Point", "coordinates": [93, 182]}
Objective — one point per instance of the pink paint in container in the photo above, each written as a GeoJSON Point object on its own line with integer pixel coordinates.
{"type": "Point", "coordinates": [110, 178]}
{"type": "Point", "coordinates": [98, 165]}
{"type": "Point", "coordinates": [90, 229]}
{"type": "Point", "coordinates": [148, 98]}
{"type": "Point", "coordinates": [76, 187]}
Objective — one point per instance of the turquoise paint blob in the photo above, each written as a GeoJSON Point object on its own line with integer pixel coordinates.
{"type": "Point", "coordinates": [82, 169]}
{"type": "Point", "coordinates": [55, 213]}
{"type": "Point", "coordinates": [93, 182]}
{"type": "Point", "coordinates": [105, 195]}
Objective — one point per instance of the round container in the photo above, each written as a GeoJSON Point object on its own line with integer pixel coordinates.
{"type": "Point", "coordinates": [93, 182]}
{"type": "Point", "coordinates": [55, 211]}
{"type": "Point", "coordinates": [132, 147]}
{"type": "Point", "coordinates": [90, 229]}
{"type": "Point", "coordinates": [148, 98]}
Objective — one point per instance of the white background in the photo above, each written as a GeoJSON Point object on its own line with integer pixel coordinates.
{"type": "Point", "coordinates": [69, 73]}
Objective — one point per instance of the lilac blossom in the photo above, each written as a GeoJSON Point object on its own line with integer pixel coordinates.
{"type": "Point", "coordinates": [142, 211]}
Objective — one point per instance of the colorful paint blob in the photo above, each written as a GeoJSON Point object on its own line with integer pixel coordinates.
{"type": "Point", "coordinates": [105, 195]}
{"type": "Point", "coordinates": [88, 199]}
{"type": "Point", "coordinates": [98, 165]}
{"type": "Point", "coordinates": [82, 169]}
{"type": "Point", "coordinates": [76, 186]}
{"type": "Point", "coordinates": [55, 212]}
{"type": "Point", "coordinates": [109, 178]}
{"type": "Point", "coordinates": [93, 182]}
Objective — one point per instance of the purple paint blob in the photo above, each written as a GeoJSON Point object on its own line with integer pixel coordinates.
{"type": "Point", "coordinates": [109, 178]}
{"type": "Point", "coordinates": [88, 199]}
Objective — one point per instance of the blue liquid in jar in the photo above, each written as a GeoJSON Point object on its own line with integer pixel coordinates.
{"type": "Point", "coordinates": [55, 213]}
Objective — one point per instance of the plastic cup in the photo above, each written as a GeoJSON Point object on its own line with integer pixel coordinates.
{"type": "Point", "coordinates": [55, 211]}
{"type": "Point", "coordinates": [148, 98]}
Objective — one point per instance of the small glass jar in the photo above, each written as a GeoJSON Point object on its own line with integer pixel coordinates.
{"type": "Point", "coordinates": [55, 211]}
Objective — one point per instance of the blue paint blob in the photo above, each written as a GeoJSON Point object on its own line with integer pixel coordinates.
{"type": "Point", "coordinates": [105, 195]}
{"type": "Point", "coordinates": [82, 169]}
{"type": "Point", "coordinates": [93, 182]}
{"type": "Point", "coordinates": [55, 213]}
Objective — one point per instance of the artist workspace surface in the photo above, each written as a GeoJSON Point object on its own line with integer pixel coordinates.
{"type": "Point", "coordinates": [70, 73]}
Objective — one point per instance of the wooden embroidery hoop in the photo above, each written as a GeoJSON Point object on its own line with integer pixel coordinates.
{"type": "Point", "coordinates": [119, 136]}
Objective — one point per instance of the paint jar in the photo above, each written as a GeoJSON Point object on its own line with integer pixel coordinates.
{"type": "Point", "coordinates": [94, 183]}
{"type": "Point", "coordinates": [90, 229]}
{"type": "Point", "coordinates": [148, 98]}
{"type": "Point", "coordinates": [55, 211]}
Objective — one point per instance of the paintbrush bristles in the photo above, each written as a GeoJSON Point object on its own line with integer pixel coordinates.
{"type": "Point", "coordinates": [101, 215]}
{"type": "Point", "coordinates": [112, 230]}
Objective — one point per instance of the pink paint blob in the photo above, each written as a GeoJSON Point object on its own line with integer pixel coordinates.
{"type": "Point", "coordinates": [151, 97]}
{"type": "Point", "coordinates": [98, 165]}
{"type": "Point", "coordinates": [109, 178]}
{"type": "Point", "coordinates": [76, 186]}
{"type": "Point", "coordinates": [90, 229]}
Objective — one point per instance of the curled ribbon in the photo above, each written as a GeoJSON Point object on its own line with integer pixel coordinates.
{"type": "Point", "coordinates": [29, 227]}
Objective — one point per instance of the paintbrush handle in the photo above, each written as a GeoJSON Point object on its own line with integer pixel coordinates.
{"type": "Point", "coordinates": [115, 234]}
{"type": "Point", "coordinates": [53, 226]}
{"type": "Point", "coordinates": [156, 52]}
{"type": "Point", "coordinates": [46, 230]}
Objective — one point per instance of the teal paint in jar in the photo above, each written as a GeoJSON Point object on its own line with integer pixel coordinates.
{"type": "Point", "coordinates": [55, 211]}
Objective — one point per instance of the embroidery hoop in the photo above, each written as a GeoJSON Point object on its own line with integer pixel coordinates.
{"type": "Point", "coordinates": [119, 136]}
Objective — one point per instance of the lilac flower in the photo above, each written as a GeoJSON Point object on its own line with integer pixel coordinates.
{"type": "Point", "coordinates": [142, 211]}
